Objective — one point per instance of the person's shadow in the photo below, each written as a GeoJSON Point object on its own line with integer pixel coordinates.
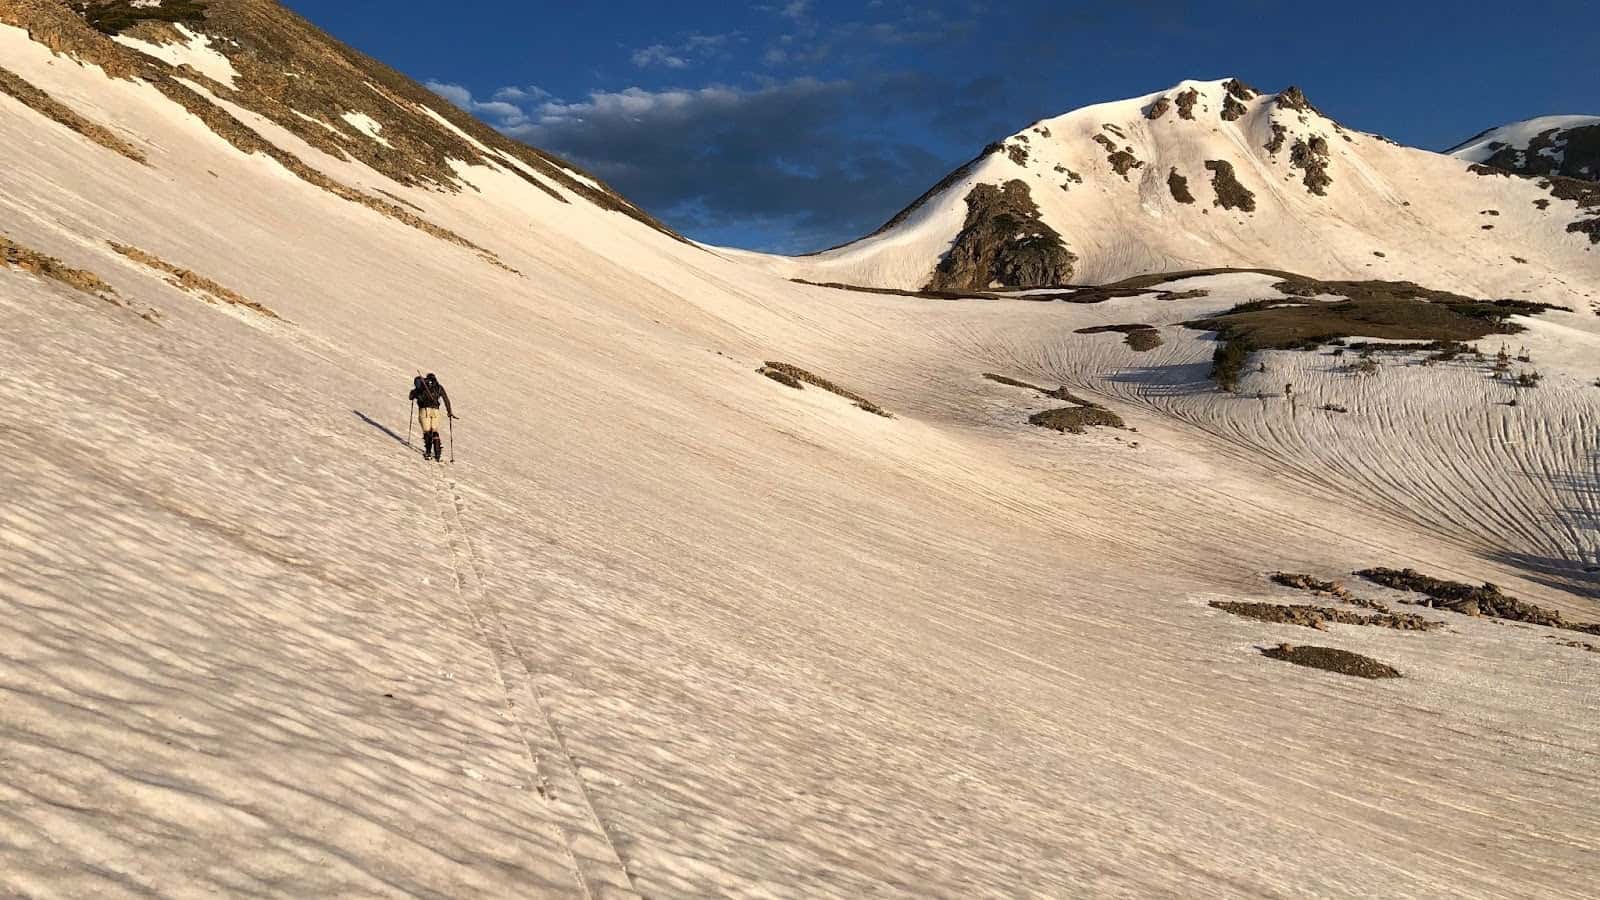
{"type": "Point", "coordinates": [380, 426]}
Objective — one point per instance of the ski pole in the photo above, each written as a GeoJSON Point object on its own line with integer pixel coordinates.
{"type": "Point", "coordinates": [410, 404]}
{"type": "Point", "coordinates": [452, 440]}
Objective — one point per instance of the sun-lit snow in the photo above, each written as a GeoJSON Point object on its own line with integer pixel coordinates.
{"type": "Point", "coordinates": [367, 126]}
{"type": "Point", "coordinates": [1517, 135]}
{"type": "Point", "coordinates": [670, 628]}
{"type": "Point", "coordinates": [196, 51]}
{"type": "Point", "coordinates": [1391, 212]}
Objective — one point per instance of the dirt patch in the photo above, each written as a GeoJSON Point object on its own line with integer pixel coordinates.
{"type": "Point", "coordinates": [1230, 193]}
{"type": "Point", "coordinates": [1076, 419]}
{"type": "Point", "coordinates": [1319, 617]}
{"type": "Point", "coordinates": [1312, 157]}
{"type": "Point", "coordinates": [193, 283]}
{"type": "Point", "coordinates": [1158, 109]}
{"type": "Point", "coordinates": [1179, 186]}
{"type": "Point", "coordinates": [1186, 102]}
{"type": "Point", "coordinates": [1004, 242]}
{"type": "Point", "coordinates": [793, 376]}
{"type": "Point", "coordinates": [1140, 337]}
{"type": "Point", "coordinates": [1483, 600]}
{"type": "Point", "coordinates": [1331, 659]}
{"type": "Point", "coordinates": [45, 105]}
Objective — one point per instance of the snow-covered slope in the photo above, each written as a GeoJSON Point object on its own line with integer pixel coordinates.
{"type": "Point", "coordinates": [1550, 145]}
{"type": "Point", "coordinates": [671, 628]}
{"type": "Point", "coordinates": [1215, 174]}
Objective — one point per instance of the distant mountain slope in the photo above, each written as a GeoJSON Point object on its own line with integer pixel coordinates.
{"type": "Point", "coordinates": [1217, 174]}
{"type": "Point", "coordinates": [1551, 145]}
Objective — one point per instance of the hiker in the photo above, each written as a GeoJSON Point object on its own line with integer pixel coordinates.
{"type": "Point", "coordinates": [428, 393]}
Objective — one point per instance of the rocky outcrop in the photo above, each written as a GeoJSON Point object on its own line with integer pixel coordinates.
{"type": "Point", "coordinates": [1312, 157]}
{"type": "Point", "coordinates": [1158, 109]}
{"type": "Point", "coordinates": [1179, 186]}
{"type": "Point", "coordinates": [1004, 243]}
{"type": "Point", "coordinates": [1230, 193]}
{"type": "Point", "coordinates": [1232, 109]}
{"type": "Point", "coordinates": [1186, 102]}
{"type": "Point", "coordinates": [1571, 152]}
{"type": "Point", "coordinates": [1122, 161]}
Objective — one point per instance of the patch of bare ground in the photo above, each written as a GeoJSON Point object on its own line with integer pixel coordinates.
{"type": "Point", "coordinates": [192, 282]}
{"type": "Point", "coordinates": [1484, 600]}
{"type": "Point", "coordinates": [1335, 589]}
{"type": "Point", "coordinates": [1076, 419]}
{"type": "Point", "coordinates": [1331, 659]}
{"type": "Point", "coordinates": [1186, 102]}
{"type": "Point", "coordinates": [1389, 310]}
{"type": "Point", "coordinates": [1230, 193]}
{"type": "Point", "coordinates": [1312, 157]}
{"type": "Point", "coordinates": [1179, 186]}
{"type": "Point", "coordinates": [1139, 337]}
{"type": "Point", "coordinates": [1240, 90]}
{"type": "Point", "coordinates": [1018, 154]}
{"type": "Point", "coordinates": [16, 256]}
{"type": "Point", "coordinates": [1158, 109]}
{"type": "Point", "coordinates": [1319, 617]}
{"type": "Point", "coordinates": [794, 377]}
{"type": "Point", "coordinates": [42, 103]}
{"type": "Point", "coordinates": [1003, 242]}
{"type": "Point", "coordinates": [1232, 109]}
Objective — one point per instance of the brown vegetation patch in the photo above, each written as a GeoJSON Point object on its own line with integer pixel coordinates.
{"type": "Point", "coordinates": [1076, 419]}
{"type": "Point", "coordinates": [1380, 309]}
{"type": "Point", "coordinates": [1319, 617]}
{"type": "Point", "coordinates": [1230, 193]}
{"type": "Point", "coordinates": [194, 283]}
{"type": "Point", "coordinates": [118, 16]}
{"type": "Point", "coordinates": [1004, 242]}
{"type": "Point", "coordinates": [1331, 659]}
{"type": "Point", "coordinates": [786, 373]}
{"type": "Point", "coordinates": [1186, 102]}
{"type": "Point", "coordinates": [1139, 337]}
{"type": "Point", "coordinates": [45, 105]}
{"type": "Point", "coordinates": [1484, 600]}
{"type": "Point", "coordinates": [1312, 156]}
{"type": "Point", "coordinates": [1179, 186]}
{"type": "Point", "coordinates": [1158, 109]}
{"type": "Point", "coordinates": [16, 256]}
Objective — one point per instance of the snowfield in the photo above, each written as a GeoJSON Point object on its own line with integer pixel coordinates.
{"type": "Point", "coordinates": [670, 628]}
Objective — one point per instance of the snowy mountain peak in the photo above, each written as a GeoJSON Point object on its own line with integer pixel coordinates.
{"type": "Point", "coordinates": [1209, 173]}
{"type": "Point", "coordinates": [1549, 145]}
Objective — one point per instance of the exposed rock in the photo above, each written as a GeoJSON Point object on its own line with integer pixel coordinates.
{"type": "Point", "coordinates": [186, 280]}
{"type": "Point", "coordinates": [16, 256]}
{"type": "Point", "coordinates": [1239, 90]}
{"type": "Point", "coordinates": [1179, 186]}
{"type": "Point", "coordinates": [1332, 660]}
{"type": "Point", "coordinates": [1140, 337]}
{"type": "Point", "coordinates": [1158, 109]}
{"type": "Point", "coordinates": [1319, 617]}
{"type": "Point", "coordinates": [1003, 242]}
{"type": "Point", "coordinates": [1018, 154]}
{"type": "Point", "coordinates": [1279, 135]}
{"type": "Point", "coordinates": [1230, 193]}
{"type": "Point", "coordinates": [1186, 102]}
{"type": "Point", "coordinates": [1232, 109]}
{"type": "Point", "coordinates": [1122, 161]}
{"type": "Point", "coordinates": [1485, 600]}
{"type": "Point", "coordinates": [1572, 152]}
{"type": "Point", "coordinates": [1312, 157]}
{"type": "Point", "coordinates": [793, 376]}
{"type": "Point", "coordinates": [1295, 99]}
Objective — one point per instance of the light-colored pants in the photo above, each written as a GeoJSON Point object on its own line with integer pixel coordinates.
{"type": "Point", "coordinates": [428, 419]}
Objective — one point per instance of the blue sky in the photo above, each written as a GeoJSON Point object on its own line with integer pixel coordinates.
{"type": "Point", "coordinates": [798, 124]}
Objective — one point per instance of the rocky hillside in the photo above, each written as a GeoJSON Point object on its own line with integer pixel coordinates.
{"type": "Point", "coordinates": [226, 59]}
{"type": "Point", "coordinates": [1551, 145]}
{"type": "Point", "coordinates": [1220, 174]}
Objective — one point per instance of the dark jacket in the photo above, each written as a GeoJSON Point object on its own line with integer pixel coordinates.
{"type": "Point", "coordinates": [429, 395]}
